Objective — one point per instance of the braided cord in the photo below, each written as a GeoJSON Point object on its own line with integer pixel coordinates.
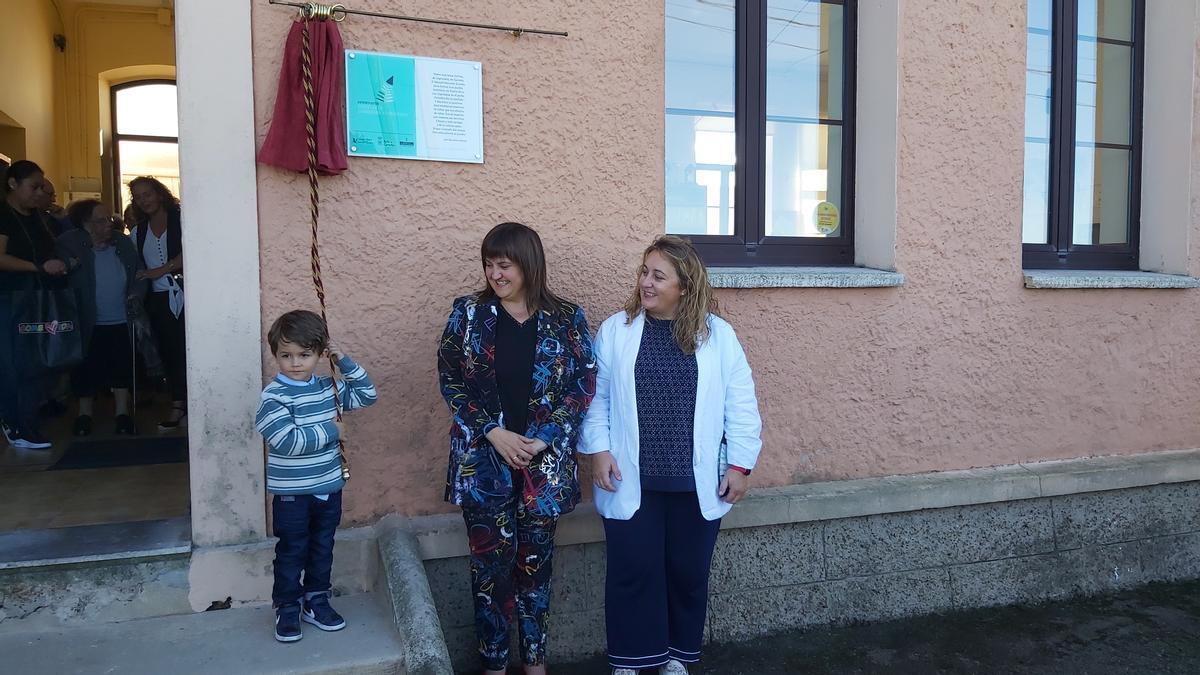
{"type": "Point", "coordinates": [314, 201]}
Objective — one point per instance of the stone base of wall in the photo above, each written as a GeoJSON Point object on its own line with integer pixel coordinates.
{"type": "Point", "coordinates": [783, 576]}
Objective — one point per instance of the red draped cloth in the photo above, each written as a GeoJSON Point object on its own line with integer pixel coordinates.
{"type": "Point", "coordinates": [286, 146]}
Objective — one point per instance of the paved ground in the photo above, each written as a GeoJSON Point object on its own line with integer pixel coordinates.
{"type": "Point", "coordinates": [231, 642]}
{"type": "Point", "coordinates": [1155, 629]}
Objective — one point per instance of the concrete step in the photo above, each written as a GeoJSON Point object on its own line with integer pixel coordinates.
{"type": "Point", "coordinates": [226, 642]}
{"type": "Point", "coordinates": [95, 543]}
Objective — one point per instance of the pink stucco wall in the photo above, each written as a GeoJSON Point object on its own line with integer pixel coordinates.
{"type": "Point", "coordinates": [961, 367]}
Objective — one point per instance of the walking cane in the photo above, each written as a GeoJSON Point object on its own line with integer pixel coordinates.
{"type": "Point", "coordinates": [133, 370]}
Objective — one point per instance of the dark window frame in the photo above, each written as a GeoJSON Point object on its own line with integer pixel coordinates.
{"type": "Point", "coordinates": [117, 137]}
{"type": "Point", "coordinates": [1060, 252]}
{"type": "Point", "coordinates": [748, 245]}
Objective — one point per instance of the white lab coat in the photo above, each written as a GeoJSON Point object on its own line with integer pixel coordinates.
{"type": "Point", "coordinates": [725, 406]}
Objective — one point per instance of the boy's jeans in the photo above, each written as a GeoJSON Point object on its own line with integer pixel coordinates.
{"type": "Point", "coordinates": [305, 526]}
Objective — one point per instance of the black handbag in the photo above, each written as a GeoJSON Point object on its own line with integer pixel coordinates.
{"type": "Point", "coordinates": [48, 332]}
{"type": "Point", "coordinates": [46, 322]}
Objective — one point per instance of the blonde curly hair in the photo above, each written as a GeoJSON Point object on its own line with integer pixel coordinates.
{"type": "Point", "coordinates": [698, 300]}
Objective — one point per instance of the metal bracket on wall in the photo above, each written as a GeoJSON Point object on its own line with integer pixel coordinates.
{"type": "Point", "coordinates": [313, 10]}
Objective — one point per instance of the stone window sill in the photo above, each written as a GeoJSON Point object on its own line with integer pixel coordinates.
{"type": "Point", "coordinates": [803, 277]}
{"type": "Point", "coordinates": [1106, 279]}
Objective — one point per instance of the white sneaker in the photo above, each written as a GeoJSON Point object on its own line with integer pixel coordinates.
{"type": "Point", "coordinates": [28, 442]}
{"type": "Point", "coordinates": [673, 667]}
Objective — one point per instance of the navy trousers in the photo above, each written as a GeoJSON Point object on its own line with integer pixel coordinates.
{"type": "Point", "coordinates": [305, 526]}
{"type": "Point", "coordinates": [656, 591]}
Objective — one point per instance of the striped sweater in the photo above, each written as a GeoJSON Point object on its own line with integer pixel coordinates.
{"type": "Point", "coordinates": [297, 422]}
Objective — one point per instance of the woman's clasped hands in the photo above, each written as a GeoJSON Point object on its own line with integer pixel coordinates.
{"type": "Point", "coordinates": [516, 450]}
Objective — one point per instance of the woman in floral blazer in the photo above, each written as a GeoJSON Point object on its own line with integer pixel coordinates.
{"type": "Point", "coordinates": [516, 369]}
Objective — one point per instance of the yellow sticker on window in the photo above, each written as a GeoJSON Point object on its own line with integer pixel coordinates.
{"type": "Point", "coordinates": [827, 218]}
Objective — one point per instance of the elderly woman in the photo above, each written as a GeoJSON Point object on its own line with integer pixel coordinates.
{"type": "Point", "coordinates": [159, 237]}
{"type": "Point", "coordinates": [673, 433]}
{"type": "Point", "coordinates": [516, 369]}
{"type": "Point", "coordinates": [27, 261]}
{"type": "Point", "coordinates": [103, 266]}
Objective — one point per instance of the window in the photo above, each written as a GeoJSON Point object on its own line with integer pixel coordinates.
{"type": "Point", "coordinates": [1083, 134]}
{"type": "Point", "coordinates": [759, 129]}
{"type": "Point", "coordinates": [146, 134]}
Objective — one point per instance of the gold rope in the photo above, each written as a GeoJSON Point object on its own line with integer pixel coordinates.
{"type": "Point", "coordinates": [314, 201]}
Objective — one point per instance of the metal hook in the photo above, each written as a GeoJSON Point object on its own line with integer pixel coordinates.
{"type": "Point", "coordinates": [314, 11]}
{"type": "Point", "coordinates": [338, 12]}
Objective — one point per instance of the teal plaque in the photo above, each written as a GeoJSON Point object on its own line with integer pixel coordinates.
{"type": "Point", "coordinates": [410, 107]}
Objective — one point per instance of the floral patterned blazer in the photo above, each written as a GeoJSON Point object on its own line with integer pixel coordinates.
{"type": "Point", "coordinates": [564, 381]}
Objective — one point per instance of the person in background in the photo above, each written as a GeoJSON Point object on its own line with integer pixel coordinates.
{"type": "Point", "coordinates": [516, 369]}
{"type": "Point", "coordinates": [158, 235]}
{"type": "Point", "coordinates": [128, 218]}
{"type": "Point", "coordinates": [57, 222]}
{"type": "Point", "coordinates": [103, 268]}
{"type": "Point", "coordinates": [673, 433]}
{"type": "Point", "coordinates": [55, 215]}
{"type": "Point", "coordinates": [27, 252]}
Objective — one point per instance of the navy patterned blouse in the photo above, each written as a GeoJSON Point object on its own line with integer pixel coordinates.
{"type": "Point", "coordinates": [665, 381]}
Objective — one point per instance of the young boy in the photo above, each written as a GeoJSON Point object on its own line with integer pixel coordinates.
{"type": "Point", "coordinates": [298, 419]}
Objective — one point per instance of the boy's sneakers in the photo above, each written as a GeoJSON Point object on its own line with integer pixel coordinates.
{"type": "Point", "coordinates": [26, 440]}
{"type": "Point", "coordinates": [287, 623]}
{"type": "Point", "coordinates": [318, 612]}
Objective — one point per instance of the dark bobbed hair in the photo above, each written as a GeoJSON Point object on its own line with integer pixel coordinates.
{"type": "Point", "coordinates": [78, 212]}
{"type": "Point", "coordinates": [299, 327]}
{"type": "Point", "coordinates": [169, 201]}
{"type": "Point", "coordinates": [522, 245]}
{"type": "Point", "coordinates": [19, 171]}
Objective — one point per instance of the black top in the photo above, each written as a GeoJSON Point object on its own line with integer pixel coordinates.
{"type": "Point", "coordinates": [665, 388]}
{"type": "Point", "coordinates": [28, 239]}
{"type": "Point", "coordinates": [515, 346]}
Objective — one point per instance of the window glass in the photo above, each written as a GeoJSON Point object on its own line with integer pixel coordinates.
{"type": "Point", "coordinates": [805, 62]}
{"type": "Point", "coordinates": [149, 158]}
{"type": "Point", "coordinates": [700, 138]}
{"type": "Point", "coordinates": [148, 110]}
{"type": "Point", "coordinates": [1103, 110]}
{"type": "Point", "coordinates": [804, 59]}
{"type": "Point", "coordinates": [1111, 19]}
{"type": "Point", "coordinates": [1035, 227]}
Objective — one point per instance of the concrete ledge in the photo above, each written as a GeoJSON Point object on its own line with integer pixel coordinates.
{"type": "Point", "coordinates": [413, 609]}
{"type": "Point", "coordinates": [1106, 279]}
{"type": "Point", "coordinates": [443, 535]}
{"type": "Point", "coordinates": [802, 277]}
{"type": "Point", "coordinates": [243, 573]}
{"type": "Point", "coordinates": [63, 596]}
